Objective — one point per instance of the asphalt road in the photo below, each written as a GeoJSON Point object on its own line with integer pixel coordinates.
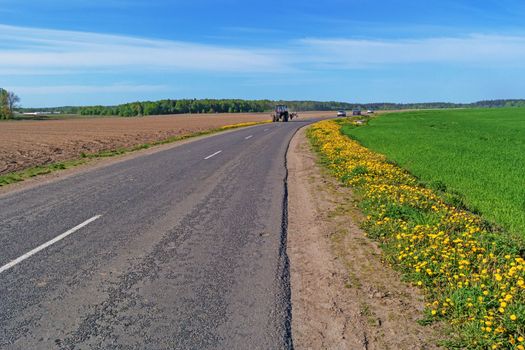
{"type": "Point", "coordinates": [181, 249]}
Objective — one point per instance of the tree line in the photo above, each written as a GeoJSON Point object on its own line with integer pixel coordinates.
{"type": "Point", "coordinates": [250, 106]}
{"type": "Point", "coordinates": [205, 106]}
{"type": "Point", "coordinates": [8, 103]}
{"type": "Point", "coordinates": [179, 106]}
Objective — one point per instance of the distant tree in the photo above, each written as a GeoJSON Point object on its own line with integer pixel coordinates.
{"type": "Point", "coordinates": [5, 111]}
{"type": "Point", "coordinates": [12, 101]}
{"type": "Point", "coordinates": [8, 102]}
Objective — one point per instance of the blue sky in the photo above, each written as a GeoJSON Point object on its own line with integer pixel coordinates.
{"type": "Point", "coordinates": [75, 52]}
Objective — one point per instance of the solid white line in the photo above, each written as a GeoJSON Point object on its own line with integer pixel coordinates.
{"type": "Point", "coordinates": [47, 244]}
{"type": "Point", "coordinates": [212, 155]}
{"type": "Point", "coordinates": [248, 137]}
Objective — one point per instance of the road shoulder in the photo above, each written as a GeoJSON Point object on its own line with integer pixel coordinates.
{"type": "Point", "coordinates": [343, 295]}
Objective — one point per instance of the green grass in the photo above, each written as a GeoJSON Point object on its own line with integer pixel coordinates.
{"type": "Point", "coordinates": [475, 156]}
{"type": "Point", "coordinates": [38, 170]}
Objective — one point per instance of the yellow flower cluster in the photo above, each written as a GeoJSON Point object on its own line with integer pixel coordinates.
{"type": "Point", "coordinates": [240, 125]}
{"type": "Point", "coordinates": [472, 277]}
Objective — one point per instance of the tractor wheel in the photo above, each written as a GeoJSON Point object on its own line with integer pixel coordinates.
{"type": "Point", "coordinates": [285, 117]}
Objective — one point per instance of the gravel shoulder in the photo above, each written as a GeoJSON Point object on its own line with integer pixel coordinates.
{"type": "Point", "coordinates": [343, 295]}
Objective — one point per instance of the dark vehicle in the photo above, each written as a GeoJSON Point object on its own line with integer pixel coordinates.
{"type": "Point", "coordinates": [356, 112]}
{"type": "Point", "coordinates": [341, 113]}
{"type": "Point", "coordinates": [281, 113]}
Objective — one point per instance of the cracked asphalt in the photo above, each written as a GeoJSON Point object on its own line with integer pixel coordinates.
{"type": "Point", "coordinates": [189, 253]}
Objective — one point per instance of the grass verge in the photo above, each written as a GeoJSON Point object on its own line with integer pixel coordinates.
{"type": "Point", "coordinates": [84, 157]}
{"type": "Point", "coordinates": [473, 277]}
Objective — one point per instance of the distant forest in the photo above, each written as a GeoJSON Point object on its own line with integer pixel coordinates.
{"type": "Point", "coordinates": [239, 106]}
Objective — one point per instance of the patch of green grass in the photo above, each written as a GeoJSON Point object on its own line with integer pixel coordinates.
{"type": "Point", "coordinates": [38, 170]}
{"type": "Point", "coordinates": [475, 157]}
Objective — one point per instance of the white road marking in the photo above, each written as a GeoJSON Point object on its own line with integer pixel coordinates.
{"type": "Point", "coordinates": [212, 155]}
{"type": "Point", "coordinates": [47, 244]}
{"type": "Point", "coordinates": [266, 129]}
{"type": "Point", "coordinates": [248, 137]}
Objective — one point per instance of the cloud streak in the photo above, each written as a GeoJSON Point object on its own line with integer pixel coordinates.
{"type": "Point", "coordinates": [475, 49]}
{"type": "Point", "coordinates": [34, 51]}
{"type": "Point", "coordinates": [29, 48]}
{"type": "Point", "coordinates": [87, 89]}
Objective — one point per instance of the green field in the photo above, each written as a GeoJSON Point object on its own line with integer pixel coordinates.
{"type": "Point", "coordinates": [478, 154]}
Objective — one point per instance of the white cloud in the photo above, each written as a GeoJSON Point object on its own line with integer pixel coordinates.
{"type": "Point", "coordinates": [33, 51]}
{"type": "Point", "coordinates": [30, 48]}
{"type": "Point", "coordinates": [475, 49]}
{"type": "Point", "coordinates": [86, 89]}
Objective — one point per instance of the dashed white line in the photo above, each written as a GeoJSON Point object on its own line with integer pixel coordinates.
{"type": "Point", "coordinates": [248, 137]}
{"type": "Point", "coordinates": [266, 129]}
{"type": "Point", "coordinates": [212, 155]}
{"type": "Point", "coordinates": [47, 244]}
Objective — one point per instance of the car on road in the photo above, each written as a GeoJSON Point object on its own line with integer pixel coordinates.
{"type": "Point", "coordinates": [356, 112]}
{"type": "Point", "coordinates": [341, 113]}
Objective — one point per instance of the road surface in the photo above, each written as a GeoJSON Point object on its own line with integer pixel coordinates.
{"type": "Point", "coordinates": [180, 249]}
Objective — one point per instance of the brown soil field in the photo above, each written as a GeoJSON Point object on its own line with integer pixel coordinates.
{"type": "Point", "coordinates": [24, 144]}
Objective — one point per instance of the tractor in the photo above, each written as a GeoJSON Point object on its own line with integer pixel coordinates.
{"type": "Point", "coordinates": [281, 113]}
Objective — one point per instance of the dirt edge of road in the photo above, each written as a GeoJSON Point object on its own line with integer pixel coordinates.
{"type": "Point", "coordinates": [343, 295]}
